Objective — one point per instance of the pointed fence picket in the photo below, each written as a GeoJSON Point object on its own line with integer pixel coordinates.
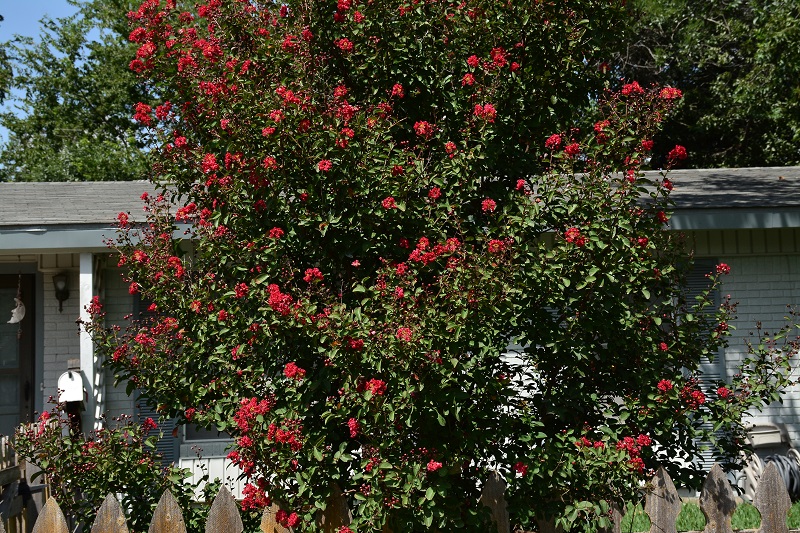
{"type": "Point", "coordinates": [662, 505]}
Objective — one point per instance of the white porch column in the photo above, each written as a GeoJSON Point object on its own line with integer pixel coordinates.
{"type": "Point", "coordinates": [91, 416]}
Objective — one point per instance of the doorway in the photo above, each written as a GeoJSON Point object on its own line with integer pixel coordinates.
{"type": "Point", "coordinates": [16, 353]}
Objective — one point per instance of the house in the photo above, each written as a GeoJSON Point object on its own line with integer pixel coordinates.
{"type": "Point", "coordinates": [52, 253]}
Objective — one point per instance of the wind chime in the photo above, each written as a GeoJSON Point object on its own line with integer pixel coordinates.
{"type": "Point", "coordinates": [18, 313]}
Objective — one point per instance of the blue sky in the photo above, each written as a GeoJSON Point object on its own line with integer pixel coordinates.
{"type": "Point", "coordinates": [22, 16]}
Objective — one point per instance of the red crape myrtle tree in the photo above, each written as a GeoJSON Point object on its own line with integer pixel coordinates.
{"type": "Point", "coordinates": [365, 204]}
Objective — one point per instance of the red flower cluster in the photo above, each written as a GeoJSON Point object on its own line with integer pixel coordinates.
{"type": "Point", "coordinates": [292, 371]}
{"type": "Point", "coordinates": [278, 301]}
{"type": "Point", "coordinates": [633, 447]}
{"type": "Point", "coordinates": [723, 268]}
{"type": "Point", "coordinates": [423, 128]}
{"type": "Point", "coordinates": [389, 203]}
{"type": "Point", "coordinates": [354, 427]}
{"type": "Point", "coordinates": [249, 409]}
{"type": "Point", "coordinates": [496, 246]}
{"type": "Point", "coordinates": [486, 112]}
{"type": "Point", "coordinates": [572, 149]}
{"type": "Point", "coordinates": [670, 93]}
{"type": "Point", "coordinates": [553, 142]}
{"type": "Point", "coordinates": [142, 114]}
{"type": "Point", "coordinates": [426, 255]}
{"type": "Point", "coordinates": [677, 154]}
{"type": "Point", "coordinates": [433, 466]}
{"type": "Point", "coordinates": [573, 235]}
{"type": "Point", "coordinates": [632, 89]}
{"type": "Point", "coordinates": [376, 386]}
{"type": "Point", "coordinates": [405, 334]}
{"type": "Point", "coordinates": [290, 434]}
{"type": "Point", "coordinates": [664, 386]}
{"type": "Point", "coordinates": [693, 397]}
{"type": "Point", "coordinates": [488, 205]}
{"type": "Point", "coordinates": [312, 275]}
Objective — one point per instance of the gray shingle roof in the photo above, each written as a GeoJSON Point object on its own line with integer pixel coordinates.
{"type": "Point", "coordinates": [70, 203]}
{"type": "Point", "coordinates": [98, 203]}
{"type": "Point", "coordinates": [759, 187]}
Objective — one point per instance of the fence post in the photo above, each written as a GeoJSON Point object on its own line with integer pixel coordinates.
{"type": "Point", "coordinates": [492, 496]}
{"type": "Point", "coordinates": [717, 502]}
{"type": "Point", "coordinates": [336, 513]}
{"type": "Point", "coordinates": [110, 518]}
{"type": "Point", "coordinates": [268, 522]}
{"type": "Point", "coordinates": [51, 519]}
{"type": "Point", "coordinates": [168, 517]}
{"type": "Point", "coordinates": [663, 504]}
{"type": "Point", "coordinates": [224, 517]}
{"type": "Point", "coordinates": [772, 501]}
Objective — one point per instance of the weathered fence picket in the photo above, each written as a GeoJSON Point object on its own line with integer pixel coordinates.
{"type": "Point", "coordinates": [662, 504]}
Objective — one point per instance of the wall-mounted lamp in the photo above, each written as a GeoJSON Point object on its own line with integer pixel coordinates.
{"type": "Point", "coordinates": [61, 284]}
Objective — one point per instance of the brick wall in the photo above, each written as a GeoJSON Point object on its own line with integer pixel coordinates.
{"type": "Point", "coordinates": [60, 334]}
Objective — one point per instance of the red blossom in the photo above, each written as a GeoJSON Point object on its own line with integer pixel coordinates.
{"type": "Point", "coordinates": [723, 268]}
{"type": "Point", "coordinates": [434, 193]}
{"type": "Point", "coordinates": [389, 203]}
{"type": "Point", "coordinates": [553, 142]}
{"type": "Point", "coordinates": [404, 334]}
{"type": "Point", "coordinates": [398, 91]}
{"type": "Point", "coordinates": [724, 393]}
{"type": "Point", "coordinates": [209, 163]}
{"type": "Point", "coordinates": [312, 275]}
{"type": "Point", "coordinates": [142, 114]}
{"type": "Point", "coordinates": [665, 385]}
{"type": "Point", "coordinates": [520, 468]}
{"type": "Point", "coordinates": [677, 154]}
{"type": "Point", "coordinates": [433, 466]}
{"type": "Point", "coordinates": [486, 112]}
{"type": "Point", "coordinates": [670, 93]}
{"type": "Point", "coordinates": [344, 44]}
{"type": "Point", "coordinates": [376, 386]}
{"type": "Point", "coordinates": [467, 80]}
{"type": "Point", "coordinates": [488, 205]}
{"type": "Point", "coordinates": [632, 89]}
{"type": "Point", "coordinates": [572, 149]}
{"type": "Point", "coordinates": [495, 246]}
{"type": "Point", "coordinates": [325, 165]}
{"type": "Point", "coordinates": [573, 235]}
{"type": "Point", "coordinates": [292, 371]}
{"type": "Point", "coordinates": [423, 128]}
{"type": "Point", "coordinates": [354, 427]}
{"type": "Point", "coordinates": [647, 145]}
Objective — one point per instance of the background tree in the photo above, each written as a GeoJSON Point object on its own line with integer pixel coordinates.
{"type": "Point", "coordinates": [737, 62]}
{"type": "Point", "coordinates": [379, 198]}
{"type": "Point", "coordinates": [69, 100]}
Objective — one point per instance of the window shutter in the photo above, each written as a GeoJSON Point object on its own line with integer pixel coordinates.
{"type": "Point", "coordinates": [168, 445]}
{"type": "Point", "coordinates": [697, 282]}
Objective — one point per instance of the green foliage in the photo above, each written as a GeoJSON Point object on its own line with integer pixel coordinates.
{"type": "Point", "coordinates": [69, 100]}
{"type": "Point", "coordinates": [737, 62]}
{"type": "Point", "coordinates": [635, 520]}
{"type": "Point", "coordinates": [119, 459]}
{"type": "Point", "coordinates": [376, 201]}
{"type": "Point", "coordinates": [690, 518]}
{"type": "Point", "coordinates": [747, 517]}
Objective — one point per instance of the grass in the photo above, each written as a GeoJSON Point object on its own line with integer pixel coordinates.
{"type": "Point", "coordinates": [691, 518]}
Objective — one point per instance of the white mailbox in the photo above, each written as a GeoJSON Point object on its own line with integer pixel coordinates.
{"type": "Point", "coordinates": [70, 386]}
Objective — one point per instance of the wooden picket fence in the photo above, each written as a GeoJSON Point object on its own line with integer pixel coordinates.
{"type": "Point", "coordinates": [662, 504]}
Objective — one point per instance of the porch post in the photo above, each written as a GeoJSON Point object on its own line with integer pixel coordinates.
{"type": "Point", "coordinates": [91, 416]}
